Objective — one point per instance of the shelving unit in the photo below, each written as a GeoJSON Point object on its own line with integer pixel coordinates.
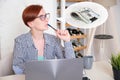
{"type": "Point", "coordinates": [78, 36]}
{"type": "Point", "coordinates": [80, 48]}
{"type": "Point", "coordinates": [60, 24]}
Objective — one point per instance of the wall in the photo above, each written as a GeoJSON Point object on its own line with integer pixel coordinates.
{"type": "Point", "coordinates": [11, 26]}
{"type": "Point", "coordinates": [104, 48]}
{"type": "Point", "coordinates": [118, 1]}
{"type": "Point", "coordinates": [106, 3]}
{"type": "Point", "coordinates": [115, 27]}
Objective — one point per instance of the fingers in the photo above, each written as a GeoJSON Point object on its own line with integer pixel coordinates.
{"type": "Point", "coordinates": [62, 32]}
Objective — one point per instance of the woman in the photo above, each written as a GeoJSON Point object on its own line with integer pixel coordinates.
{"type": "Point", "coordinates": [36, 45]}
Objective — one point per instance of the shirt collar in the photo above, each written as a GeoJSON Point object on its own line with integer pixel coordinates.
{"type": "Point", "coordinates": [30, 40]}
{"type": "Point", "coordinates": [47, 41]}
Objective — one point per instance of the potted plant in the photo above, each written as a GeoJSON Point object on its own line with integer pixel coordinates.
{"type": "Point", "coordinates": [115, 62]}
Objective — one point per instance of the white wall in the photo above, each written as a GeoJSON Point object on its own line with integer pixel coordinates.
{"type": "Point", "coordinates": [11, 26]}
{"type": "Point", "coordinates": [118, 1]}
{"type": "Point", "coordinates": [115, 27]}
{"type": "Point", "coordinates": [112, 27]}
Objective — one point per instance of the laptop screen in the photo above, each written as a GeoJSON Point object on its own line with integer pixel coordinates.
{"type": "Point", "coordinates": [57, 69]}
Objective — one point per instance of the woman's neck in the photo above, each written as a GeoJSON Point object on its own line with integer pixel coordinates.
{"type": "Point", "coordinates": [37, 35]}
{"type": "Point", "coordinates": [38, 40]}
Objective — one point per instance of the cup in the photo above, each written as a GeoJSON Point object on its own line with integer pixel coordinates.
{"type": "Point", "coordinates": [87, 62]}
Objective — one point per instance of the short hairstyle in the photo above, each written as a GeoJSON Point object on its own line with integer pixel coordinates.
{"type": "Point", "coordinates": [30, 13]}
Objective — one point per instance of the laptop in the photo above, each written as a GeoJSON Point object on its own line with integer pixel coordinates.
{"type": "Point", "coordinates": [57, 69]}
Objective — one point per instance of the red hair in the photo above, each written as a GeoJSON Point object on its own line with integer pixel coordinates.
{"type": "Point", "coordinates": [30, 13]}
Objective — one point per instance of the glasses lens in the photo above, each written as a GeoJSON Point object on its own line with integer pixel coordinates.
{"type": "Point", "coordinates": [43, 17]}
{"type": "Point", "coordinates": [47, 15]}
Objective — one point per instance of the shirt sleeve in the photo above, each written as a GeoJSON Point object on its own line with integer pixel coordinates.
{"type": "Point", "coordinates": [59, 50]}
{"type": "Point", "coordinates": [17, 70]}
{"type": "Point", "coordinates": [69, 51]}
{"type": "Point", "coordinates": [64, 52]}
{"type": "Point", "coordinates": [18, 58]}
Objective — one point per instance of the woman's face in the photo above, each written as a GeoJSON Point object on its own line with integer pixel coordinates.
{"type": "Point", "coordinates": [40, 23]}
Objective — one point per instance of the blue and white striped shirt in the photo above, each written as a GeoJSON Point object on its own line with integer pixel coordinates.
{"type": "Point", "coordinates": [24, 50]}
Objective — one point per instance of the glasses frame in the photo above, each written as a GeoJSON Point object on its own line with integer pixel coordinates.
{"type": "Point", "coordinates": [44, 17]}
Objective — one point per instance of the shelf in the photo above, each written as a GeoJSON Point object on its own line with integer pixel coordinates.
{"type": "Point", "coordinates": [80, 48]}
{"type": "Point", "coordinates": [78, 36]}
{"type": "Point", "coordinates": [67, 25]}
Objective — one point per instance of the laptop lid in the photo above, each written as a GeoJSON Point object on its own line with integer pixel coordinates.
{"type": "Point", "coordinates": [57, 69]}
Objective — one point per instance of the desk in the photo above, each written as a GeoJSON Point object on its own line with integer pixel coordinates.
{"type": "Point", "coordinates": [13, 77]}
{"type": "Point", "coordinates": [101, 70]}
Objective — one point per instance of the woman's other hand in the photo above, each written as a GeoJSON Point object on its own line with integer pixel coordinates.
{"type": "Point", "coordinates": [63, 35]}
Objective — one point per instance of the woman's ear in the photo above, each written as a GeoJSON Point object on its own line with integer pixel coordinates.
{"type": "Point", "coordinates": [30, 24]}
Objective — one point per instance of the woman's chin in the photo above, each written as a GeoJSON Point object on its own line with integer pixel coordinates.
{"type": "Point", "coordinates": [46, 28]}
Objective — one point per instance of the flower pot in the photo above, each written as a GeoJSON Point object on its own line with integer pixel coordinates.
{"type": "Point", "coordinates": [116, 74]}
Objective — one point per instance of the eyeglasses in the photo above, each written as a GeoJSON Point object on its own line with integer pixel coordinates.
{"type": "Point", "coordinates": [43, 17]}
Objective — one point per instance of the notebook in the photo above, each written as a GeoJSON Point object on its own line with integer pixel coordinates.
{"type": "Point", "coordinates": [56, 69]}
